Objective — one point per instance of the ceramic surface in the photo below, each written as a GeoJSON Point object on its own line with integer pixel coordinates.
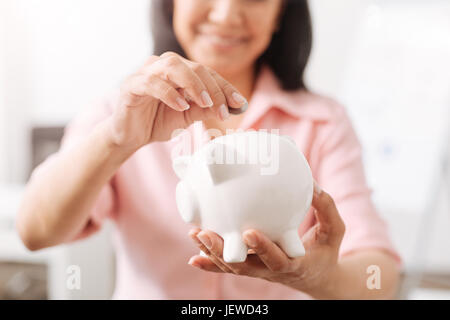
{"type": "Point", "coordinates": [246, 180]}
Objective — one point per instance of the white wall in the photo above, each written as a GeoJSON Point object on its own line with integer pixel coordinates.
{"type": "Point", "coordinates": [61, 55]}
{"type": "Point", "coordinates": [57, 56]}
{"type": "Point", "coordinates": [395, 87]}
{"type": "Point", "coordinates": [335, 28]}
{"type": "Point", "coordinates": [3, 161]}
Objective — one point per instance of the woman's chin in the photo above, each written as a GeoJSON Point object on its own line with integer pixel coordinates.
{"type": "Point", "coordinates": [223, 67]}
{"type": "Point", "coordinates": [222, 63]}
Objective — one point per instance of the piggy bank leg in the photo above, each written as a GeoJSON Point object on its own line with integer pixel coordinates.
{"type": "Point", "coordinates": [291, 244]}
{"type": "Point", "coordinates": [234, 248]}
{"type": "Point", "coordinates": [186, 203]}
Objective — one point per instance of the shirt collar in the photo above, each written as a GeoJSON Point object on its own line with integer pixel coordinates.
{"type": "Point", "coordinates": [269, 94]}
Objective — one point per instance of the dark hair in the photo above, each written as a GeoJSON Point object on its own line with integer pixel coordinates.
{"type": "Point", "coordinates": [287, 54]}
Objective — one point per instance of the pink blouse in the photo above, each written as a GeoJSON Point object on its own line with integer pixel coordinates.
{"type": "Point", "coordinates": [150, 238]}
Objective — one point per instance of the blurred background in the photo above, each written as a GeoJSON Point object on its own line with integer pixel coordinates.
{"type": "Point", "coordinates": [387, 61]}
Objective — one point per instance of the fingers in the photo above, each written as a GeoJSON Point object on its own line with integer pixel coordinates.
{"type": "Point", "coordinates": [235, 100]}
{"type": "Point", "coordinates": [165, 76]}
{"type": "Point", "coordinates": [154, 86]}
{"type": "Point", "coordinates": [220, 107]}
{"type": "Point", "coordinates": [175, 71]}
{"type": "Point", "coordinates": [220, 90]}
{"type": "Point", "coordinates": [327, 215]}
{"type": "Point", "coordinates": [150, 60]}
{"type": "Point", "coordinates": [268, 262]}
{"type": "Point", "coordinates": [220, 264]}
{"type": "Point", "coordinates": [204, 263]}
{"type": "Point", "coordinates": [269, 253]}
{"type": "Point", "coordinates": [212, 245]}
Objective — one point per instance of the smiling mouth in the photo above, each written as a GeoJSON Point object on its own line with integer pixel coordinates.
{"type": "Point", "coordinates": [223, 41]}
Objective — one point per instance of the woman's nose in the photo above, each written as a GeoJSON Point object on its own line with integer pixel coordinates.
{"type": "Point", "coordinates": [225, 12]}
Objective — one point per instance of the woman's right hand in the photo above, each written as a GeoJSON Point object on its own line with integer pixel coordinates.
{"type": "Point", "coordinates": [169, 92]}
{"type": "Point", "coordinates": [57, 204]}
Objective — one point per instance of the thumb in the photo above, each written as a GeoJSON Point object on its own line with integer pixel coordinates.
{"type": "Point", "coordinates": [327, 215]}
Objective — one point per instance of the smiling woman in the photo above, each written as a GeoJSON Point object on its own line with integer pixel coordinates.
{"type": "Point", "coordinates": [239, 54]}
{"type": "Point", "coordinates": [285, 32]}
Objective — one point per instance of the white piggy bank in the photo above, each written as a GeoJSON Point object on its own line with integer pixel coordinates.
{"type": "Point", "coordinates": [246, 180]}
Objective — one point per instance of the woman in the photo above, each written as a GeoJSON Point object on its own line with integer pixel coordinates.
{"type": "Point", "coordinates": [115, 163]}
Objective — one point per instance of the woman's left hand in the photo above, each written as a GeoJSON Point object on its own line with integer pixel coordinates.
{"type": "Point", "coordinates": [312, 272]}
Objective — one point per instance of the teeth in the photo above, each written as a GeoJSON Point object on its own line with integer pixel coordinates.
{"type": "Point", "coordinates": [224, 41]}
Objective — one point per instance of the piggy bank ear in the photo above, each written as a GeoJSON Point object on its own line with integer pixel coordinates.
{"type": "Point", "coordinates": [180, 166]}
{"type": "Point", "coordinates": [224, 162]}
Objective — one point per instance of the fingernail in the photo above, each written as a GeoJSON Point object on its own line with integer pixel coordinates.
{"type": "Point", "coordinates": [317, 189]}
{"type": "Point", "coordinates": [238, 98]}
{"type": "Point", "coordinates": [183, 104]}
{"type": "Point", "coordinates": [238, 110]}
{"type": "Point", "coordinates": [251, 240]}
{"type": "Point", "coordinates": [191, 263]}
{"type": "Point", "coordinates": [206, 98]}
{"type": "Point", "coordinates": [205, 240]}
{"type": "Point", "coordinates": [224, 114]}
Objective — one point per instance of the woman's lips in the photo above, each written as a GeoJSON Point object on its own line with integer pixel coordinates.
{"type": "Point", "coordinates": [223, 41]}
